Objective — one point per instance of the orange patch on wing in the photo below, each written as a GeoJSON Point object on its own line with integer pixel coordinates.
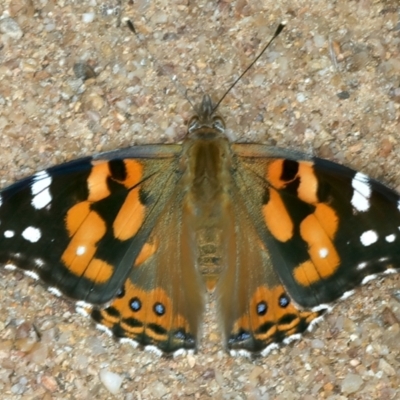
{"type": "Point", "coordinates": [134, 172]}
{"type": "Point", "coordinates": [327, 218]}
{"type": "Point", "coordinates": [86, 230]}
{"type": "Point", "coordinates": [265, 327]}
{"type": "Point", "coordinates": [318, 230]}
{"type": "Point", "coordinates": [308, 183]}
{"type": "Point", "coordinates": [307, 190]}
{"type": "Point", "coordinates": [306, 274]}
{"type": "Point", "coordinates": [274, 313]}
{"type": "Point", "coordinates": [98, 271]}
{"type": "Point", "coordinates": [76, 215]}
{"type": "Point", "coordinates": [277, 218]}
{"type": "Point", "coordinates": [147, 251]}
{"type": "Point", "coordinates": [130, 217]}
{"type": "Point", "coordinates": [274, 173]}
{"type": "Point", "coordinates": [97, 181]}
{"type": "Point", "coordinates": [145, 316]}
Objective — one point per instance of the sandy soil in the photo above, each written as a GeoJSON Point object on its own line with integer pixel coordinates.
{"type": "Point", "coordinates": [328, 86]}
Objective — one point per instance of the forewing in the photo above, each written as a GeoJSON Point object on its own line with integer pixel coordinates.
{"type": "Point", "coordinates": [326, 227]}
{"type": "Point", "coordinates": [81, 225]}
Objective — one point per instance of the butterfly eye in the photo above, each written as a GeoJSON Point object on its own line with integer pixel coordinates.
{"type": "Point", "coordinates": [159, 309]}
{"type": "Point", "coordinates": [135, 304]}
{"type": "Point", "coordinates": [262, 308]}
{"type": "Point", "coordinates": [193, 124]}
{"type": "Point", "coordinates": [218, 123]}
{"type": "Point", "coordinates": [284, 301]}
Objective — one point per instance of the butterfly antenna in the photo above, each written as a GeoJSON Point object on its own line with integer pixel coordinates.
{"type": "Point", "coordinates": [131, 27]}
{"type": "Point", "coordinates": [277, 32]}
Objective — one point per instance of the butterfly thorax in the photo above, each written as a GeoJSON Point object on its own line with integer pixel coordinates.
{"type": "Point", "coordinates": [207, 159]}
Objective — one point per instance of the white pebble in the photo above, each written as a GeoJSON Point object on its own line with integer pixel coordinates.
{"type": "Point", "coordinates": [88, 17]}
{"type": "Point", "coordinates": [10, 28]}
{"type": "Point", "coordinates": [111, 381]}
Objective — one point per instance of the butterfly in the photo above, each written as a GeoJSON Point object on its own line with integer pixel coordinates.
{"type": "Point", "coordinates": [137, 236]}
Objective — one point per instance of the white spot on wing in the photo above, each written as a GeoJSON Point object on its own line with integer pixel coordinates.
{"type": "Point", "coordinates": [10, 267]}
{"type": "Point", "coordinates": [80, 250]}
{"type": "Point", "coordinates": [32, 275]}
{"type": "Point", "coordinates": [314, 322]}
{"type": "Point", "coordinates": [104, 329]}
{"type": "Point", "coordinates": [42, 199]}
{"type": "Point", "coordinates": [1, 200]}
{"type": "Point", "coordinates": [322, 307]}
{"type": "Point", "coordinates": [40, 190]}
{"type": "Point", "coordinates": [369, 237]}
{"type": "Point", "coordinates": [362, 265]}
{"type": "Point", "coordinates": [83, 304]}
{"type": "Point", "coordinates": [398, 205]}
{"type": "Point", "coordinates": [390, 238]}
{"type": "Point", "coordinates": [82, 311]}
{"type": "Point", "coordinates": [347, 294]}
{"type": "Point", "coordinates": [241, 353]}
{"type": "Point", "coordinates": [9, 234]}
{"type": "Point", "coordinates": [31, 234]}
{"type": "Point", "coordinates": [179, 353]}
{"type": "Point", "coordinates": [362, 192]}
{"type": "Point", "coordinates": [269, 348]}
{"type": "Point", "coordinates": [132, 342]}
{"type": "Point", "coordinates": [323, 252]}
{"type": "Point", "coordinates": [153, 349]}
{"type": "Point", "coordinates": [54, 291]}
{"type": "Point", "coordinates": [368, 279]}
{"type": "Point", "coordinates": [41, 181]}
{"type": "Point", "coordinates": [292, 338]}
{"type": "Point", "coordinates": [39, 262]}
{"type": "Point", "coordinates": [389, 271]}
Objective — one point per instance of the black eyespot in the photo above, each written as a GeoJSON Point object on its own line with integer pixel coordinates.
{"type": "Point", "coordinates": [135, 304]}
{"type": "Point", "coordinates": [262, 308]}
{"type": "Point", "coordinates": [120, 293]}
{"type": "Point", "coordinates": [159, 309]}
{"type": "Point", "coordinates": [284, 300]}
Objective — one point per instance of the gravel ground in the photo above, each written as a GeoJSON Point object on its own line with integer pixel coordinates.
{"type": "Point", "coordinates": [329, 85]}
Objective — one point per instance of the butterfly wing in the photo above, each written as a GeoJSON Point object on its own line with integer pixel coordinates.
{"type": "Point", "coordinates": [81, 225]}
{"type": "Point", "coordinates": [326, 229]}
{"type": "Point", "coordinates": [162, 301]}
{"type": "Point", "coordinates": [254, 308]}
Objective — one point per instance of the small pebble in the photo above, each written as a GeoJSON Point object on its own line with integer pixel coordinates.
{"type": "Point", "coordinates": [111, 381]}
{"type": "Point", "coordinates": [343, 95]}
{"type": "Point", "coordinates": [83, 71]}
{"type": "Point", "coordinates": [351, 383]}
{"type": "Point", "coordinates": [88, 17]}
{"type": "Point", "coordinates": [158, 390]}
{"type": "Point", "coordinates": [10, 28]}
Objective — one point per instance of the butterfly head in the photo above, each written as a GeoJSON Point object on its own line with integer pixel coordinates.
{"type": "Point", "coordinates": [206, 121]}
